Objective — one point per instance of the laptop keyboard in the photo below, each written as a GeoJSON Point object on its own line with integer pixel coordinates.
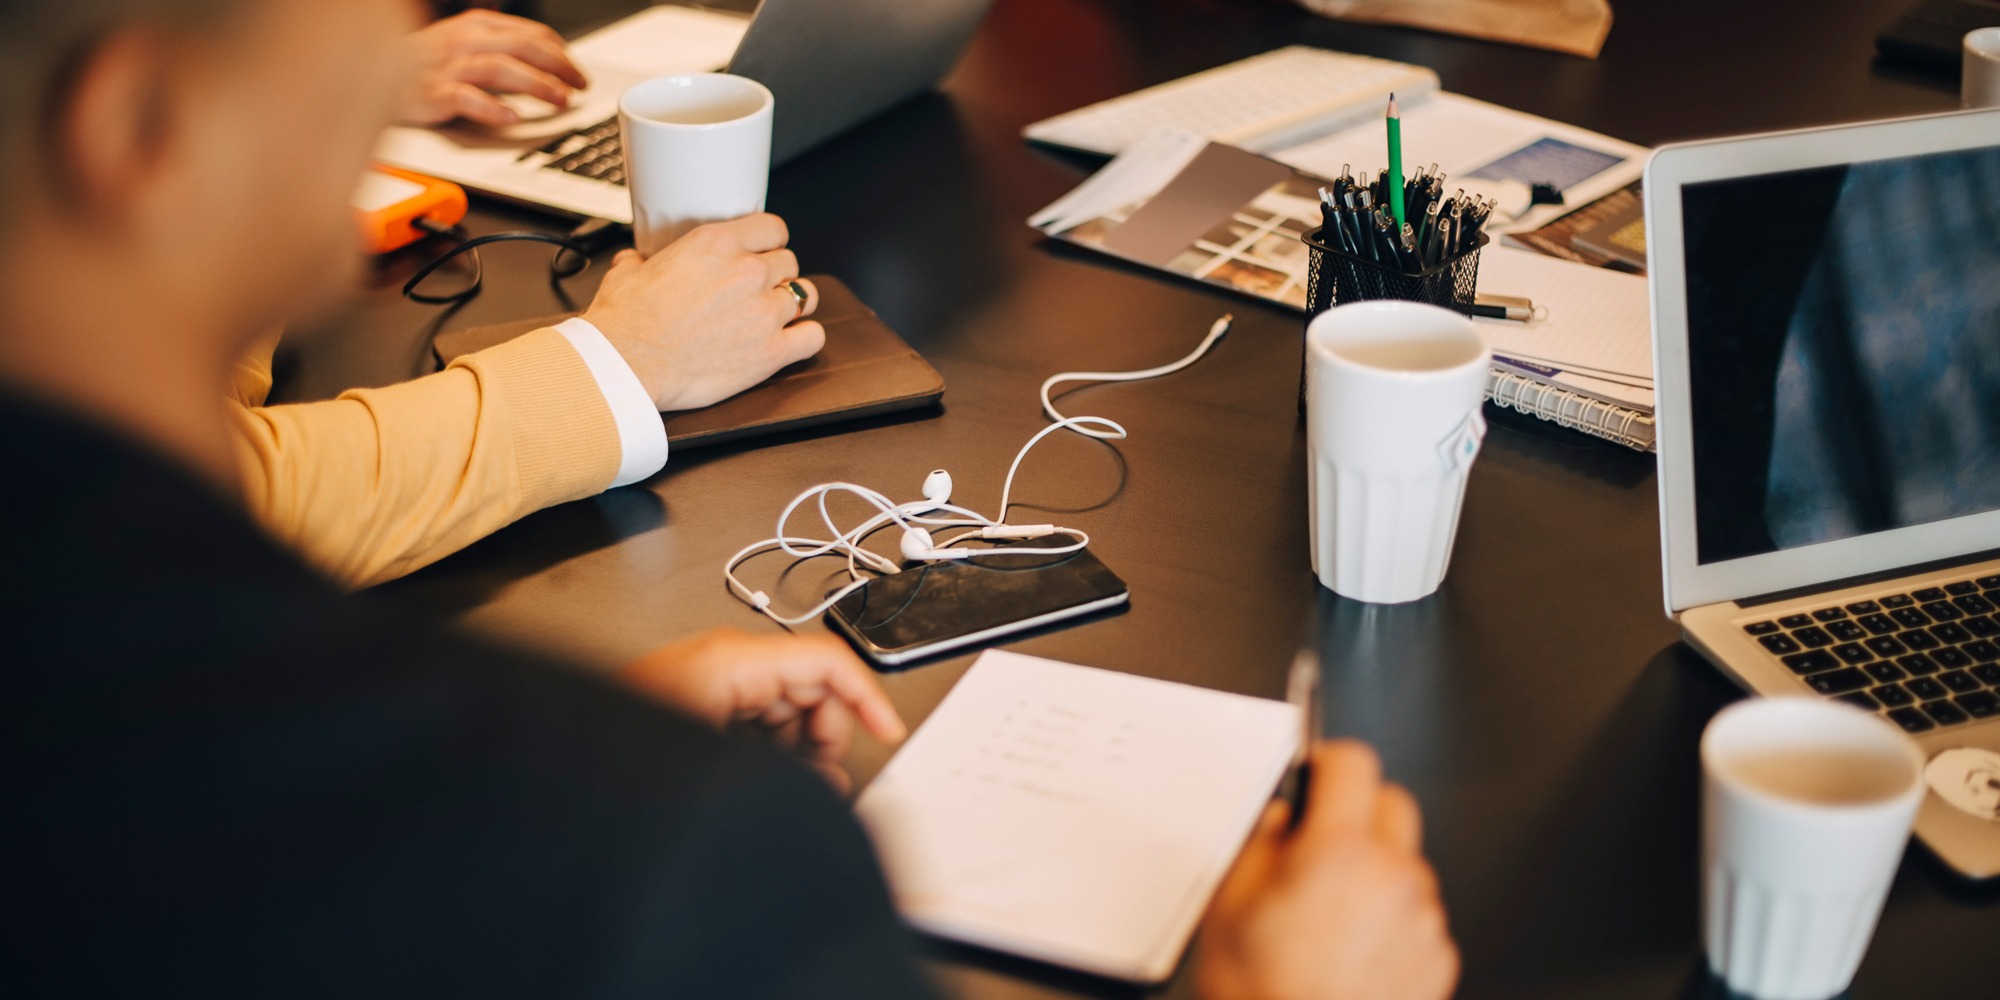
{"type": "Point", "coordinates": [595, 151]}
{"type": "Point", "coordinates": [1927, 659]}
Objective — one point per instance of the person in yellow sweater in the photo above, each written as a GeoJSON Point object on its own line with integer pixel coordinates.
{"type": "Point", "coordinates": [381, 482]}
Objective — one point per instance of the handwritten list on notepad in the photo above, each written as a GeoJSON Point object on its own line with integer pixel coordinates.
{"type": "Point", "coordinates": [1074, 815]}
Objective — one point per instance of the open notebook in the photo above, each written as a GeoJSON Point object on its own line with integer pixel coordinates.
{"type": "Point", "coordinates": [1073, 815]}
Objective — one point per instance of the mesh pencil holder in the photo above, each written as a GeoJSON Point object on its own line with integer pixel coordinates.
{"type": "Point", "coordinates": [1335, 277]}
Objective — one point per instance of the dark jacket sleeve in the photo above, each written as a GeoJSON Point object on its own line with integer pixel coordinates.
{"type": "Point", "coordinates": [404, 815]}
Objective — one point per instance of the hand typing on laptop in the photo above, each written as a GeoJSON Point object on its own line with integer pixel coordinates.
{"type": "Point", "coordinates": [463, 64]}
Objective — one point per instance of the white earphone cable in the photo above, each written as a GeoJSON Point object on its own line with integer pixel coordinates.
{"type": "Point", "coordinates": [919, 515]}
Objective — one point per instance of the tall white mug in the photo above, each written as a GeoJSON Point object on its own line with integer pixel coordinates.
{"type": "Point", "coordinates": [697, 149]}
{"type": "Point", "coordinates": [1393, 391]}
{"type": "Point", "coordinates": [1979, 87]}
{"type": "Point", "coordinates": [1806, 806]}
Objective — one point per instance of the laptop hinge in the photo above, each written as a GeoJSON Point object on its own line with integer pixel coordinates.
{"type": "Point", "coordinates": [1866, 578]}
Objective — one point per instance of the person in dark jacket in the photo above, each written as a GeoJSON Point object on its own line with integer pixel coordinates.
{"type": "Point", "coordinates": [228, 778]}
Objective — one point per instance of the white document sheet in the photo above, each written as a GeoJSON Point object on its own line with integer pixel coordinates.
{"type": "Point", "coordinates": [1599, 322]}
{"type": "Point", "coordinates": [1132, 176]}
{"type": "Point", "coordinates": [1074, 815]}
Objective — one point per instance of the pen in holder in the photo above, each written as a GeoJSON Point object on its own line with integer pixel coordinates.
{"type": "Point", "coordinates": [1336, 277]}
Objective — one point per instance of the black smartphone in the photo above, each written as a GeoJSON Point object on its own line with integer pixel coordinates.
{"type": "Point", "coordinates": [938, 607]}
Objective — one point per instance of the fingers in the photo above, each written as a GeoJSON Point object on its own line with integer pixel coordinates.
{"type": "Point", "coordinates": [829, 731]}
{"type": "Point", "coordinates": [832, 664]}
{"type": "Point", "coordinates": [800, 341]}
{"type": "Point", "coordinates": [466, 101]}
{"type": "Point", "coordinates": [802, 674]}
{"type": "Point", "coordinates": [531, 42]}
{"type": "Point", "coordinates": [1398, 821]}
{"type": "Point", "coordinates": [775, 717]}
{"type": "Point", "coordinates": [787, 306]}
{"type": "Point", "coordinates": [1346, 784]}
{"type": "Point", "coordinates": [835, 775]}
{"type": "Point", "coordinates": [759, 233]}
{"type": "Point", "coordinates": [780, 266]}
{"type": "Point", "coordinates": [1251, 873]}
{"type": "Point", "coordinates": [812, 299]}
{"type": "Point", "coordinates": [784, 307]}
{"type": "Point", "coordinates": [505, 74]}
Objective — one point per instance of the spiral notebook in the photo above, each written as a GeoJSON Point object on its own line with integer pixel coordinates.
{"type": "Point", "coordinates": [1588, 363]}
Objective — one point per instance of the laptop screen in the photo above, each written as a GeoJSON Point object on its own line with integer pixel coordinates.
{"type": "Point", "coordinates": [1843, 350]}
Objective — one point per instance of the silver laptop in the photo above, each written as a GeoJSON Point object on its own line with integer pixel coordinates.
{"type": "Point", "coordinates": [1826, 308]}
{"type": "Point", "coordinates": [830, 63]}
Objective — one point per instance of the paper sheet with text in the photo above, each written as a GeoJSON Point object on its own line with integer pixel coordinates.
{"type": "Point", "coordinates": [1074, 815]}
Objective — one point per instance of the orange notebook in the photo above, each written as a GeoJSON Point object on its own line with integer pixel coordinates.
{"type": "Point", "coordinates": [864, 370]}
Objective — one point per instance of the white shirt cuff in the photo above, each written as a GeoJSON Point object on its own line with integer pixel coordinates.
{"type": "Point", "coordinates": [642, 438]}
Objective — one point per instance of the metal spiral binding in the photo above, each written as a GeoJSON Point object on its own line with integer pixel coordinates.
{"type": "Point", "coordinates": [1576, 411]}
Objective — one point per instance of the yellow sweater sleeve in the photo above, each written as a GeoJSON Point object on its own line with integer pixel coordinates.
{"type": "Point", "coordinates": [381, 482]}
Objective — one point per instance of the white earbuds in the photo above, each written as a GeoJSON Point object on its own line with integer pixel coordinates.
{"type": "Point", "coordinates": [918, 546]}
{"type": "Point", "coordinates": [936, 510]}
{"type": "Point", "coordinates": [937, 486]}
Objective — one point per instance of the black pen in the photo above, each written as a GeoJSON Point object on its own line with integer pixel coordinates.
{"type": "Point", "coordinates": [1302, 691]}
{"type": "Point", "coordinates": [1429, 249]}
{"type": "Point", "coordinates": [1506, 307]}
{"type": "Point", "coordinates": [1329, 218]}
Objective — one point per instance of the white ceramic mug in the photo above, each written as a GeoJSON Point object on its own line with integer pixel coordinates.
{"type": "Point", "coordinates": [1806, 807]}
{"type": "Point", "coordinates": [1393, 391]}
{"type": "Point", "coordinates": [697, 149]}
{"type": "Point", "coordinates": [1980, 86]}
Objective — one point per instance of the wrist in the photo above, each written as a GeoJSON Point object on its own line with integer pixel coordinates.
{"type": "Point", "coordinates": [658, 380]}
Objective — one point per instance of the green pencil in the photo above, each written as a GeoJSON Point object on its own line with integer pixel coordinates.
{"type": "Point", "coordinates": [1395, 163]}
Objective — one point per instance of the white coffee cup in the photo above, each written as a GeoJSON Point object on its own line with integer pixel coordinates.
{"type": "Point", "coordinates": [1806, 807]}
{"type": "Point", "coordinates": [1393, 391]}
{"type": "Point", "coordinates": [697, 149]}
{"type": "Point", "coordinates": [1979, 87]}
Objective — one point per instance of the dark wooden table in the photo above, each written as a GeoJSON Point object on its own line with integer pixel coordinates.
{"type": "Point", "coordinates": [1539, 706]}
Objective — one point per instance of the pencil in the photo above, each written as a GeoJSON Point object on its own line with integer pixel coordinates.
{"type": "Point", "coordinates": [1302, 690]}
{"type": "Point", "coordinates": [1395, 176]}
